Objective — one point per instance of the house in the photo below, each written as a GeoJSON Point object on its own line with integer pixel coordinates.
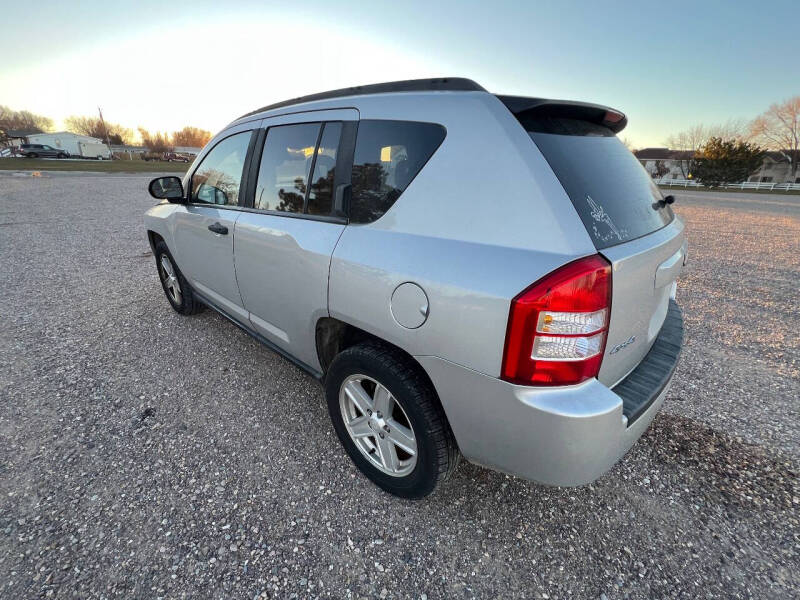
{"type": "Point", "coordinates": [663, 163]}
{"type": "Point", "coordinates": [776, 168]}
{"type": "Point", "coordinates": [187, 150]}
{"type": "Point", "coordinates": [15, 137]}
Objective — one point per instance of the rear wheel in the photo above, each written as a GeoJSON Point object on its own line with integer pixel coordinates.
{"type": "Point", "coordinates": [177, 289]}
{"type": "Point", "coordinates": [33, 155]}
{"type": "Point", "coordinates": [389, 420]}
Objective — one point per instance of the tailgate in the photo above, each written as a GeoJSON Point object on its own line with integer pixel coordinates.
{"type": "Point", "coordinates": [644, 271]}
{"type": "Point", "coordinates": [624, 213]}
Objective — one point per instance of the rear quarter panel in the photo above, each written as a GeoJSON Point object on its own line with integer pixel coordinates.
{"type": "Point", "coordinates": [484, 219]}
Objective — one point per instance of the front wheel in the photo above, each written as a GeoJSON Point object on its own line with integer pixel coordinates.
{"type": "Point", "coordinates": [389, 420]}
{"type": "Point", "coordinates": [177, 289]}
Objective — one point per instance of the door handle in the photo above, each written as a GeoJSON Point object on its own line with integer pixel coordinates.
{"type": "Point", "coordinates": [218, 228]}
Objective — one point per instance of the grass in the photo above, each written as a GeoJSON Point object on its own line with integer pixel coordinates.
{"type": "Point", "coordinates": [102, 166]}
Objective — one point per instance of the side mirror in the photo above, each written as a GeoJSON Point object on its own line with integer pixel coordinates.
{"type": "Point", "coordinates": [167, 188]}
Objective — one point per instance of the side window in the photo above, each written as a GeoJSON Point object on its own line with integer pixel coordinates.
{"type": "Point", "coordinates": [218, 178]}
{"type": "Point", "coordinates": [320, 196]}
{"type": "Point", "coordinates": [388, 156]}
{"type": "Point", "coordinates": [285, 165]}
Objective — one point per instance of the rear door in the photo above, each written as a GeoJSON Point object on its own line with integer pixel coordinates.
{"type": "Point", "coordinates": [619, 205]}
{"type": "Point", "coordinates": [204, 229]}
{"type": "Point", "coordinates": [285, 240]}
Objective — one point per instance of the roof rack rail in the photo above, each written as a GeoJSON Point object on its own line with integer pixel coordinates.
{"type": "Point", "coordinates": [439, 84]}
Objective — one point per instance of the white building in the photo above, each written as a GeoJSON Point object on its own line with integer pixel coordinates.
{"type": "Point", "coordinates": [663, 163]}
{"type": "Point", "coordinates": [75, 144]}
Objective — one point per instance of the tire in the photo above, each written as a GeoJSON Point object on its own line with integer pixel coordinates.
{"type": "Point", "coordinates": [184, 301]}
{"type": "Point", "coordinates": [415, 410]}
{"type": "Point", "coordinates": [33, 155]}
{"type": "Point", "coordinates": [61, 155]}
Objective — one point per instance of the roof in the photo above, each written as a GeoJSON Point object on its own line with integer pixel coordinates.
{"type": "Point", "coordinates": [663, 154]}
{"type": "Point", "coordinates": [777, 155]}
{"type": "Point", "coordinates": [127, 148]}
{"type": "Point", "coordinates": [63, 133]}
{"type": "Point", "coordinates": [440, 84]}
{"type": "Point", "coordinates": [654, 153]}
{"type": "Point", "coordinates": [520, 106]}
{"type": "Point", "coordinates": [21, 133]}
{"type": "Point", "coordinates": [667, 154]}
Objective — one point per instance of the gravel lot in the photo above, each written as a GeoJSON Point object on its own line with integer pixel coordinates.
{"type": "Point", "coordinates": [147, 455]}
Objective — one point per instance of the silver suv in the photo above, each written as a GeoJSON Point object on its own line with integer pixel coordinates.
{"type": "Point", "coordinates": [466, 273]}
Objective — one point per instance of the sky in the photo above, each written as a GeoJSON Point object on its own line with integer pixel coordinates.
{"type": "Point", "coordinates": [668, 65]}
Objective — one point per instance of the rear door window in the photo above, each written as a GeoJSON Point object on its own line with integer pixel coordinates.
{"type": "Point", "coordinates": [388, 155]}
{"type": "Point", "coordinates": [298, 167]}
{"type": "Point", "coordinates": [285, 166]}
{"type": "Point", "coordinates": [320, 196]}
{"type": "Point", "coordinates": [613, 194]}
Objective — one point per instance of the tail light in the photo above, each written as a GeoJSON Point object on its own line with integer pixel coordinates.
{"type": "Point", "coordinates": [557, 327]}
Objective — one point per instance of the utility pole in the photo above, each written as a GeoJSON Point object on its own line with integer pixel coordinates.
{"type": "Point", "coordinates": [105, 130]}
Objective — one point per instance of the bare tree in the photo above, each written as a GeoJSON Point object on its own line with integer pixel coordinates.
{"type": "Point", "coordinates": [732, 130]}
{"type": "Point", "coordinates": [22, 119]}
{"type": "Point", "coordinates": [191, 136]}
{"type": "Point", "coordinates": [156, 142]}
{"type": "Point", "coordinates": [628, 144]}
{"type": "Point", "coordinates": [660, 169]}
{"type": "Point", "coordinates": [687, 143]}
{"type": "Point", "coordinates": [93, 127]}
{"type": "Point", "coordinates": [779, 129]}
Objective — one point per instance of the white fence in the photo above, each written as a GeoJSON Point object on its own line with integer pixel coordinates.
{"type": "Point", "coordinates": [745, 185]}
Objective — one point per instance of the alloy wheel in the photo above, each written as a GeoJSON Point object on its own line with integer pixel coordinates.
{"type": "Point", "coordinates": [378, 425]}
{"type": "Point", "coordinates": [170, 279]}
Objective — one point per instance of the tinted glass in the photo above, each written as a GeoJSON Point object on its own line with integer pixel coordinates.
{"type": "Point", "coordinates": [285, 163]}
{"type": "Point", "coordinates": [388, 156]}
{"type": "Point", "coordinates": [612, 192]}
{"type": "Point", "coordinates": [320, 196]}
{"type": "Point", "coordinates": [218, 178]}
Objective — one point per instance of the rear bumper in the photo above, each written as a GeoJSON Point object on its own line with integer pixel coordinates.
{"type": "Point", "coordinates": [559, 436]}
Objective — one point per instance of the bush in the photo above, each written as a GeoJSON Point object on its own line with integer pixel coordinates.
{"type": "Point", "coordinates": [726, 161]}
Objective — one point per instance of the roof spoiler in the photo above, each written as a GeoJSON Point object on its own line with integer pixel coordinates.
{"type": "Point", "coordinates": [541, 107]}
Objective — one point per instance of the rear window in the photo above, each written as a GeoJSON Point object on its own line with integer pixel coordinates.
{"type": "Point", "coordinates": [612, 192]}
{"type": "Point", "coordinates": [388, 156]}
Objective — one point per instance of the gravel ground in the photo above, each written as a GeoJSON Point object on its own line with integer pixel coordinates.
{"type": "Point", "coordinates": [147, 455]}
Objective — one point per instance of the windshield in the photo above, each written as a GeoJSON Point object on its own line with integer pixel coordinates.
{"type": "Point", "coordinates": [613, 194]}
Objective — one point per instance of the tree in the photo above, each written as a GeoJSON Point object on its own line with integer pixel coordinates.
{"type": "Point", "coordinates": [155, 142]}
{"type": "Point", "coordinates": [191, 136]}
{"type": "Point", "coordinates": [726, 161]}
{"type": "Point", "coordinates": [689, 141]}
{"type": "Point", "coordinates": [628, 144]}
{"type": "Point", "coordinates": [661, 169]}
{"type": "Point", "coordinates": [22, 120]}
{"type": "Point", "coordinates": [779, 129]}
{"type": "Point", "coordinates": [93, 127]}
